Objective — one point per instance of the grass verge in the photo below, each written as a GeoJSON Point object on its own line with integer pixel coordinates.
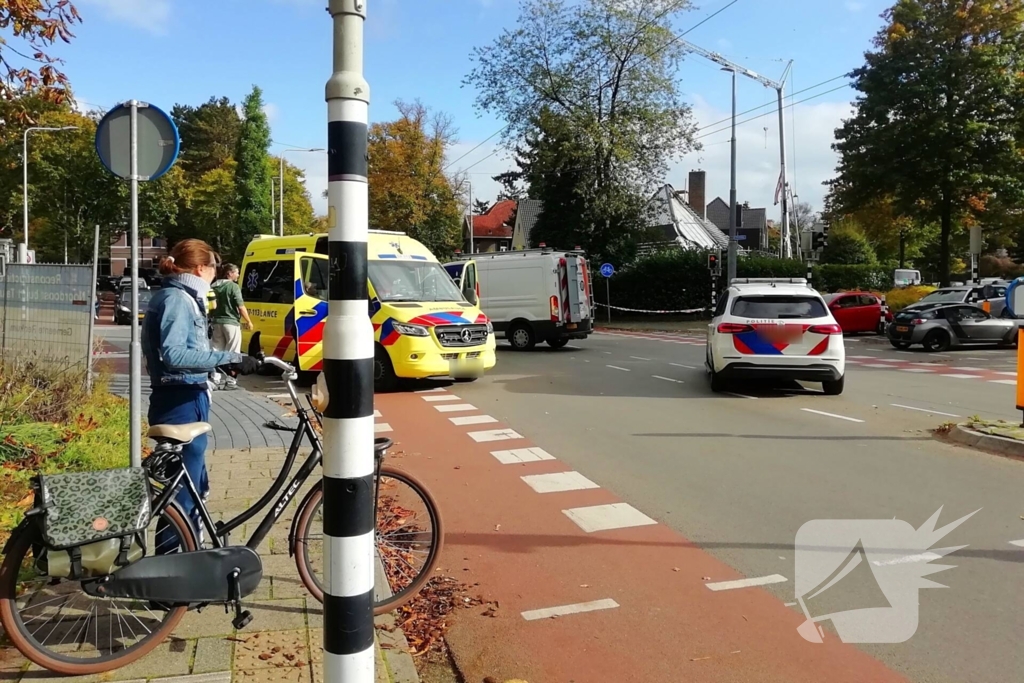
{"type": "Point", "coordinates": [49, 423]}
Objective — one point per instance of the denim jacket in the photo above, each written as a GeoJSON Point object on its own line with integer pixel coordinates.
{"type": "Point", "coordinates": [174, 340]}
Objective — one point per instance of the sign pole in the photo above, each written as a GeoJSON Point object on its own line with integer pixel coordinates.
{"type": "Point", "coordinates": [608, 297]}
{"type": "Point", "coordinates": [135, 349]}
{"type": "Point", "coordinates": [95, 300]}
{"type": "Point", "coordinates": [347, 377]}
{"type": "Point", "coordinates": [1020, 369]}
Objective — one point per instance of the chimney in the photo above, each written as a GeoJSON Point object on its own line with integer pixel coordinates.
{"type": "Point", "coordinates": [697, 193]}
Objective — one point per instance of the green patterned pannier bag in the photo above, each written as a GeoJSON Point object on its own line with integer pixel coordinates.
{"type": "Point", "coordinates": [84, 507]}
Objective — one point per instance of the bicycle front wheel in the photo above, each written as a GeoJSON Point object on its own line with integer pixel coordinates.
{"type": "Point", "coordinates": [408, 540]}
{"type": "Point", "coordinates": [58, 626]}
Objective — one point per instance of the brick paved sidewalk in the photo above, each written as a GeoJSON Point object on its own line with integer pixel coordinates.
{"type": "Point", "coordinates": [237, 417]}
{"type": "Point", "coordinates": [283, 644]}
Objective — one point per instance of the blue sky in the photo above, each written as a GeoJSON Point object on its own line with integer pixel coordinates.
{"type": "Point", "coordinates": [171, 51]}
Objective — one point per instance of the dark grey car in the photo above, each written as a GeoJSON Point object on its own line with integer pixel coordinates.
{"type": "Point", "coordinates": [993, 293]}
{"type": "Point", "coordinates": [939, 326]}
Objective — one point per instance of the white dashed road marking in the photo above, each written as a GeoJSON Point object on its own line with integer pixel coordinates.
{"type": "Point", "coordinates": [559, 481]}
{"type": "Point", "coordinates": [435, 390]}
{"type": "Point", "coordinates": [746, 583]}
{"type": "Point", "coordinates": [1019, 544]}
{"type": "Point", "coordinates": [731, 393]}
{"type": "Point", "coordinates": [1008, 374]}
{"type": "Point", "coordinates": [519, 455]}
{"type": "Point", "coordinates": [876, 365]}
{"type": "Point", "coordinates": [455, 408]}
{"type": "Point", "coordinates": [494, 435]}
{"type": "Point", "coordinates": [838, 417]}
{"type": "Point", "coordinates": [680, 365]}
{"type": "Point", "coordinates": [472, 420]}
{"type": "Point", "coordinates": [963, 376]}
{"type": "Point", "coordinates": [376, 413]}
{"type": "Point", "coordinates": [564, 610]}
{"type": "Point", "coordinates": [1011, 382]}
{"type": "Point", "coordinates": [438, 399]}
{"type": "Point", "coordinates": [616, 367]}
{"type": "Point", "coordinates": [604, 517]}
{"type": "Point", "coordinates": [381, 428]}
{"type": "Point", "coordinates": [667, 379]}
{"type": "Point", "coordinates": [909, 559]}
{"type": "Point", "coordinates": [639, 358]}
{"type": "Point", "coordinates": [924, 410]}
{"type": "Point", "coordinates": [916, 370]}
{"type": "Point", "coordinates": [966, 369]}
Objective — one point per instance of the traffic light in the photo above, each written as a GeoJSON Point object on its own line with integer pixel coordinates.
{"type": "Point", "coordinates": [712, 262]}
{"type": "Point", "coordinates": [818, 241]}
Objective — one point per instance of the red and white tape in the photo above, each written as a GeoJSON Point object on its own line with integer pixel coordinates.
{"type": "Point", "coordinates": [641, 310]}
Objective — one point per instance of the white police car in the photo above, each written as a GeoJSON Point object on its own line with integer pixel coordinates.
{"type": "Point", "coordinates": [775, 329]}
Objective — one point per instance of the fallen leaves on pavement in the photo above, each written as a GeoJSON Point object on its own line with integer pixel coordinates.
{"type": "Point", "coordinates": [424, 620]}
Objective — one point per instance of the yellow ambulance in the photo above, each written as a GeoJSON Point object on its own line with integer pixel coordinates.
{"type": "Point", "coordinates": [424, 324]}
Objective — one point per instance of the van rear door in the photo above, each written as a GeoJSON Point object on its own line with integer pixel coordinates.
{"type": "Point", "coordinates": [464, 273]}
{"type": "Point", "coordinates": [579, 290]}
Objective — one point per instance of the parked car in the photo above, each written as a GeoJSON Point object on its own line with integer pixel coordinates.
{"type": "Point", "coordinates": [123, 305]}
{"type": "Point", "coordinates": [993, 294]}
{"type": "Point", "coordinates": [940, 326]}
{"type": "Point", "coordinates": [775, 329]}
{"type": "Point", "coordinates": [856, 312]}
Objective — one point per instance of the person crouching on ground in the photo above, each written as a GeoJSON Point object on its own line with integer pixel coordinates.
{"type": "Point", "coordinates": [178, 355]}
{"type": "Point", "coordinates": [229, 315]}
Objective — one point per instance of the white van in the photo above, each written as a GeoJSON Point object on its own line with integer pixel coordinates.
{"type": "Point", "coordinates": [531, 295]}
{"type": "Point", "coordinates": [905, 277]}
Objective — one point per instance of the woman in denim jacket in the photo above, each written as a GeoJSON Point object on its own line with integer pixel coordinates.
{"type": "Point", "coordinates": [178, 355]}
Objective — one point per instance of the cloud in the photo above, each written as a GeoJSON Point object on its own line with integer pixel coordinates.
{"type": "Point", "coordinates": [149, 15]}
{"type": "Point", "coordinates": [272, 111]}
{"type": "Point", "coordinates": [757, 152]}
{"type": "Point", "coordinates": [854, 6]}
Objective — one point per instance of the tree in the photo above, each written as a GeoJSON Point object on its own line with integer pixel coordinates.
{"type": "Point", "coordinates": [30, 27]}
{"type": "Point", "coordinates": [847, 245]}
{"type": "Point", "coordinates": [937, 125]}
{"type": "Point", "coordinates": [209, 134]}
{"type": "Point", "coordinates": [804, 216]}
{"type": "Point", "coordinates": [480, 207]}
{"type": "Point", "coordinates": [510, 186]}
{"type": "Point", "coordinates": [252, 175]}
{"type": "Point", "coordinates": [409, 190]}
{"type": "Point", "coordinates": [594, 80]}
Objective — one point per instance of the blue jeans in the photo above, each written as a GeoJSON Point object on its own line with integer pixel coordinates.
{"type": "Point", "coordinates": [182, 404]}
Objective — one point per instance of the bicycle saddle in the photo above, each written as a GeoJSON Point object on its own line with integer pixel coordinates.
{"type": "Point", "coordinates": [180, 433]}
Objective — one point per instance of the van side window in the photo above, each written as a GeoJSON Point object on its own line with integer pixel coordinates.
{"type": "Point", "coordinates": [314, 277]}
{"type": "Point", "coordinates": [268, 282]}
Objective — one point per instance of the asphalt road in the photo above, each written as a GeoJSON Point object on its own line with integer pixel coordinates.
{"type": "Point", "coordinates": [740, 474]}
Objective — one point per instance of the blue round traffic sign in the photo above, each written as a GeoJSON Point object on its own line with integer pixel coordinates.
{"type": "Point", "coordinates": [607, 270]}
{"type": "Point", "coordinates": [157, 142]}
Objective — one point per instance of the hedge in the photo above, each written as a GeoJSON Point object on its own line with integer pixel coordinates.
{"type": "Point", "coordinates": [679, 280]}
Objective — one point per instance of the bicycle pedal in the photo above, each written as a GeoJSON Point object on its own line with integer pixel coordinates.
{"type": "Point", "coordinates": [243, 619]}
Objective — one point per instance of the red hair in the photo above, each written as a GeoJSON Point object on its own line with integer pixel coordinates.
{"type": "Point", "coordinates": [187, 255]}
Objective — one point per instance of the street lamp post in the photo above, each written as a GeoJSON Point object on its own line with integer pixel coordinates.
{"type": "Point", "coordinates": [280, 182]}
{"type": "Point", "coordinates": [733, 250]}
{"type": "Point", "coordinates": [24, 173]}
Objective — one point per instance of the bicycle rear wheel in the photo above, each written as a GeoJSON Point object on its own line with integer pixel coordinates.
{"type": "Point", "coordinates": [58, 626]}
{"type": "Point", "coordinates": [408, 539]}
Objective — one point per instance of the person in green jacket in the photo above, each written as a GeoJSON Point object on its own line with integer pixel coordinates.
{"type": "Point", "coordinates": [229, 315]}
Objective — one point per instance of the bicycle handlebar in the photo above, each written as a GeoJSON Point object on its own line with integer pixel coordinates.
{"type": "Point", "coordinates": [278, 363]}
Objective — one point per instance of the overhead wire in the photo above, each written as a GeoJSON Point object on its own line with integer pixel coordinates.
{"type": "Point", "coordinates": [646, 57]}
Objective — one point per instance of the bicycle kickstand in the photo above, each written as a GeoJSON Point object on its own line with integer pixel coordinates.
{"type": "Point", "coordinates": [243, 617]}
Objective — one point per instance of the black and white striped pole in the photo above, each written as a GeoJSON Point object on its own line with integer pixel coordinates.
{"type": "Point", "coordinates": [347, 378]}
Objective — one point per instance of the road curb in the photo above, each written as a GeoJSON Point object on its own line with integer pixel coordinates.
{"type": "Point", "coordinates": [999, 445]}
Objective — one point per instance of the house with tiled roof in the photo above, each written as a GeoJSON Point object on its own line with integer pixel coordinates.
{"type": "Point", "coordinates": [526, 217]}
{"type": "Point", "coordinates": [492, 231]}
{"type": "Point", "coordinates": [751, 233]}
{"type": "Point", "coordinates": [675, 221]}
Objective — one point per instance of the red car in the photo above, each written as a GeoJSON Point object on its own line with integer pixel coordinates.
{"type": "Point", "coordinates": [856, 311]}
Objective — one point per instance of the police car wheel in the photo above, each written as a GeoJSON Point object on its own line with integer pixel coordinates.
{"type": "Point", "coordinates": [717, 383]}
{"type": "Point", "coordinates": [834, 387]}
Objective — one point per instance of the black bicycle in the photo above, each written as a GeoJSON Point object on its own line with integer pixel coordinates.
{"type": "Point", "coordinates": [93, 607]}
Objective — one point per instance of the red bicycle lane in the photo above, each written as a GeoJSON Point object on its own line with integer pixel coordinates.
{"type": "Point", "coordinates": [609, 604]}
